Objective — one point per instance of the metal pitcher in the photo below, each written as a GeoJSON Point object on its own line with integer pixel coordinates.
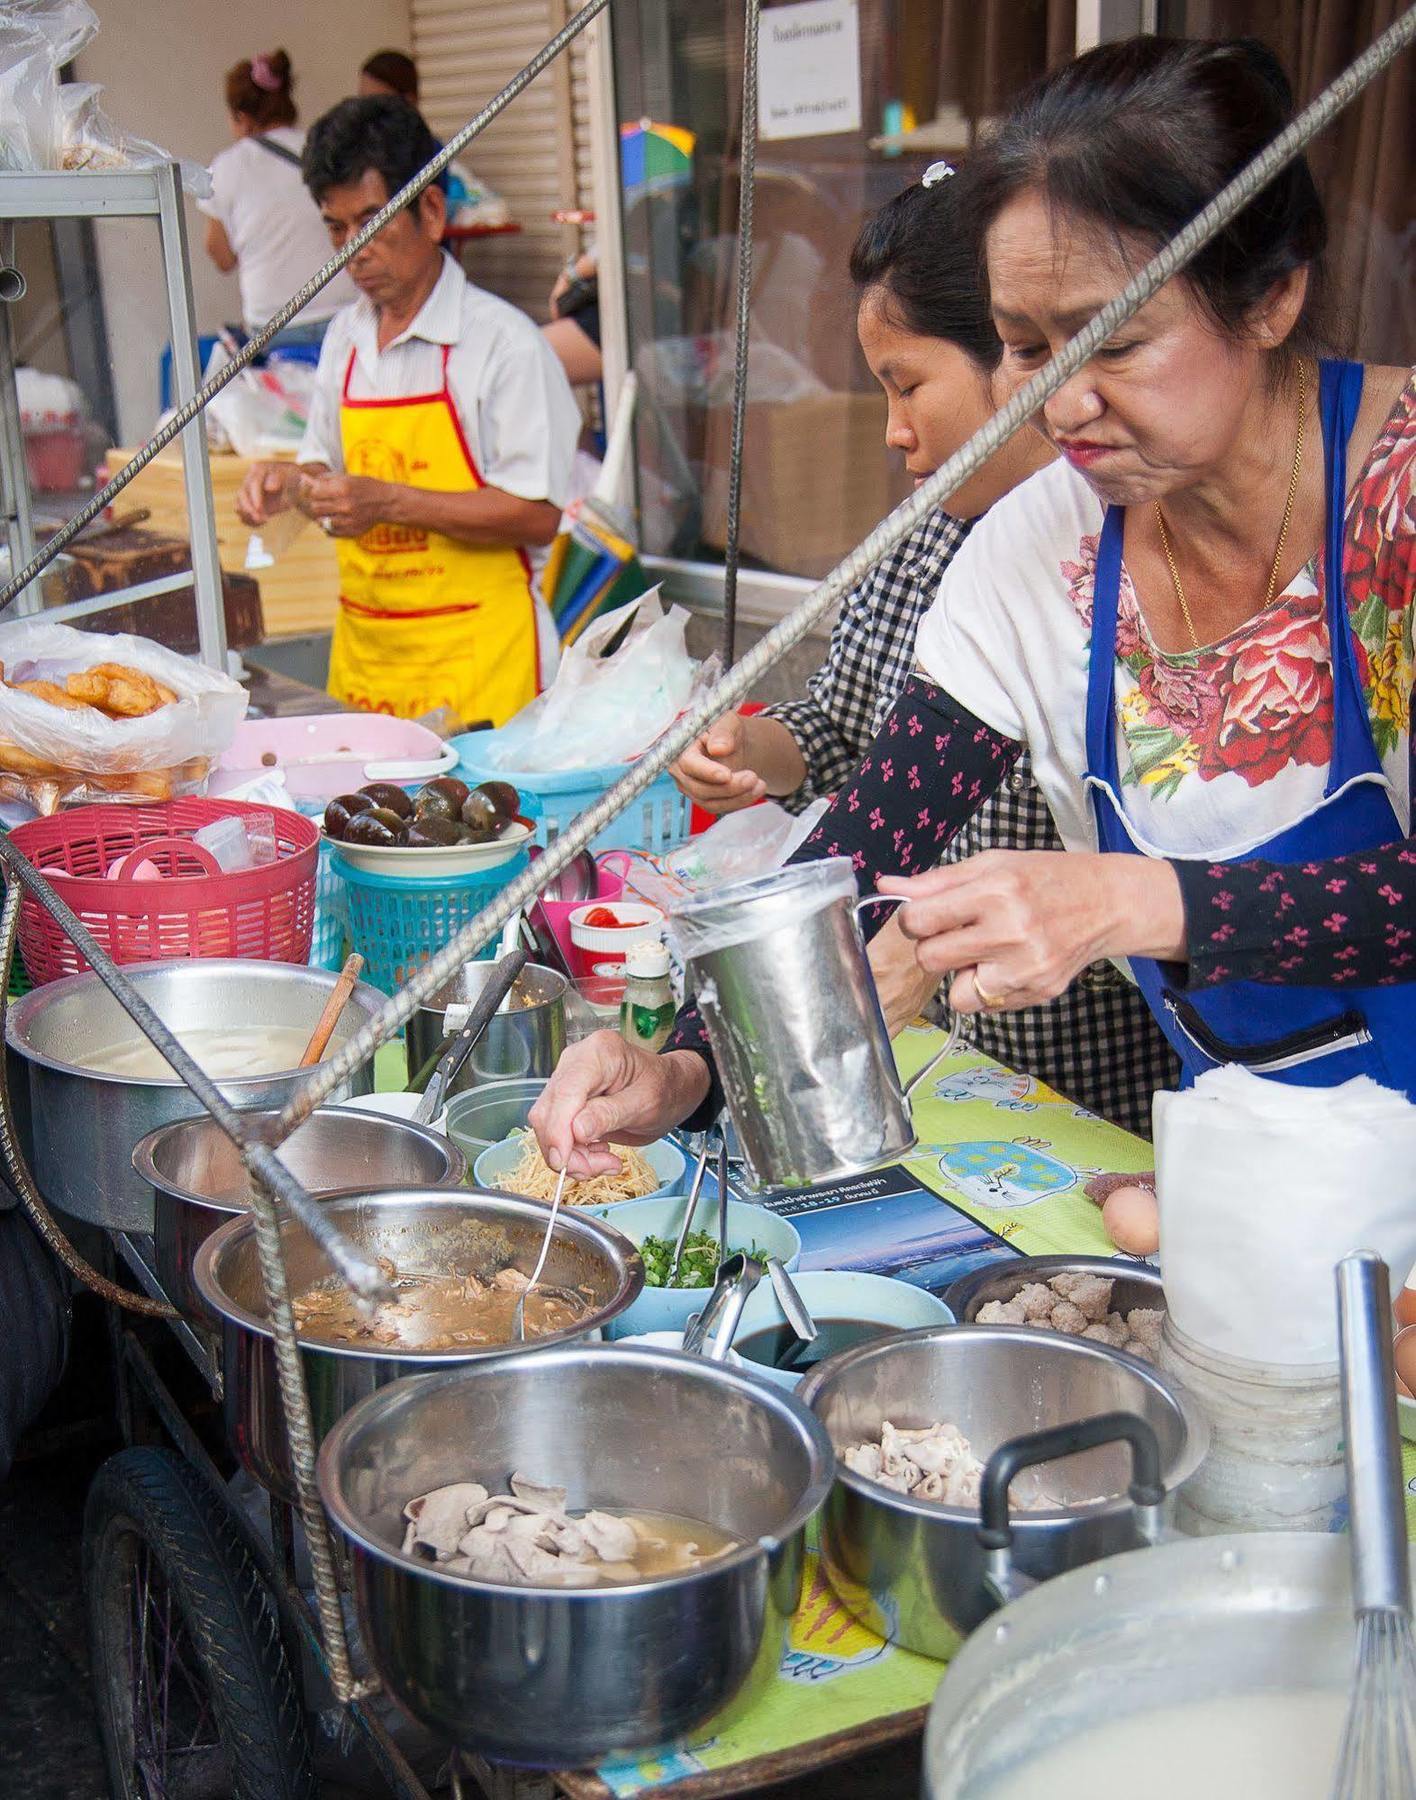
{"type": "Point", "coordinates": [778, 967]}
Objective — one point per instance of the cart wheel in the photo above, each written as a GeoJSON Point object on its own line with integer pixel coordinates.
{"type": "Point", "coordinates": [195, 1695]}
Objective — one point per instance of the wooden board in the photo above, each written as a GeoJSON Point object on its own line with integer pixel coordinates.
{"type": "Point", "coordinates": [299, 592]}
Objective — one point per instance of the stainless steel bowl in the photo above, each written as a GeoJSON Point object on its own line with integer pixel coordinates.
{"type": "Point", "coordinates": [477, 1120]}
{"type": "Point", "coordinates": [915, 1570]}
{"type": "Point", "coordinates": [427, 1230]}
{"type": "Point", "coordinates": [1136, 1283]}
{"type": "Point", "coordinates": [84, 1123]}
{"type": "Point", "coordinates": [1203, 1619]}
{"type": "Point", "coordinates": [522, 1040]}
{"type": "Point", "coordinates": [559, 1679]}
{"type": "Point", "coordinates": [198, 1180]}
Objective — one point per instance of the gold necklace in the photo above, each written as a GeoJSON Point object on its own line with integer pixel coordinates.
{"type": "Point", "coordinates": [1282, 530]}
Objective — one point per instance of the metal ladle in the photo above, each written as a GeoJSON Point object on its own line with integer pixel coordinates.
{"type": "Point", "coordinates": [518, 1317]}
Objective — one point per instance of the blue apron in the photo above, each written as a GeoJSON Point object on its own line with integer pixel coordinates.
{"type": "Point", "coordinates": [1311, 1036]}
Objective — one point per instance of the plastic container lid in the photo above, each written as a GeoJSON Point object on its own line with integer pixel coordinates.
{"type": "Point", "coordinates": [648, 960]}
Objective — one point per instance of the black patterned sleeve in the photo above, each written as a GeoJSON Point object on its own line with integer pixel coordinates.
{"type": "Point", "coordinates": [1349, 921]}
{"type": "Point", "coordinates": [929, 770]}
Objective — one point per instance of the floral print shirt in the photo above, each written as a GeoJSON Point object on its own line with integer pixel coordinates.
{"type": "Point", "coordinates": [1220, 748]}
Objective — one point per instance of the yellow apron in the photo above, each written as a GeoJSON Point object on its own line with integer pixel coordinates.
{"type": "Point", "coordinates": [425, 621]}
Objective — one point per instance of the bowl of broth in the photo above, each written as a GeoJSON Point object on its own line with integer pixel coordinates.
{"type": "Point", "coordinates": [509, 1662]}
{"type": "Point", "coordinates": [849, 1308]}
{"type": "Point", "coordinates": [96, 1085]}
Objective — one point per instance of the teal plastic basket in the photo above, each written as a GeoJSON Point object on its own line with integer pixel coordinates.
{"type": "Point", "coordinates": [658, 821]}
{"type": "Point", "coordinates": [398, 922]}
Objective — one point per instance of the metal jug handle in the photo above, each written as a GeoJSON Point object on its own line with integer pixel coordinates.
{"type": "Point", "coordinates": [995, 1529]}
{"type": "Point", "coordinates": [951, 1042]}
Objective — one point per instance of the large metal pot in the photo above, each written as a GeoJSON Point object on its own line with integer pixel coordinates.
{"type": "Point", "coordinates": [559, 1679]}
{"type": "Point", "coordinates": [84, 1123]}
{"type": "Point", "coordinates": [198, 1180]}
{"type": "Point", "coordinates": [917, 1571]}
{"type": "Point", "coordinates": [1221, 1618]}
{"type": "Point", "coordinates": [421, 1230]}
{"type": "Point", "coordinates": [524, 1038]}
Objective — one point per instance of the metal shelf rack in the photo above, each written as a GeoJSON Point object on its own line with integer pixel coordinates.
{"type": "Point", "coordinates": [156, 194]}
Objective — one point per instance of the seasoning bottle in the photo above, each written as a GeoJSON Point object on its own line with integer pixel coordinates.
{"type": "Point", "coordinates": [647, 1011]}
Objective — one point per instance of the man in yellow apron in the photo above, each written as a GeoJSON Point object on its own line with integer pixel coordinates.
{"type": "Point", "coordinates": [437, 453]}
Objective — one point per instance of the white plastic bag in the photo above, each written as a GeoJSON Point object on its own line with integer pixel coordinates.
{"type": "Point", "coordinates": [48, 123]}
{"type": "Point", "coordinates": [743, 844]}
{"type": "Point", "coordinates": [263, 411]}
{"type": "Point", "coordinates": [605, 709]}
{"type": "Point", "coordinates": [53, 755]}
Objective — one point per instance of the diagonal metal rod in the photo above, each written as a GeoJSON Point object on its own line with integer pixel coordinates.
{"type": "Point", "coordinates": [254, 345]}
{"type": "Point", "coordinates": [738, 682]}
{"type": "Point", "coordinates": [747, 187]}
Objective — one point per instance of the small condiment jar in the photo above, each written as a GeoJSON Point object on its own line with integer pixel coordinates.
{"type": "Point", "coordinates": [647, 1011]}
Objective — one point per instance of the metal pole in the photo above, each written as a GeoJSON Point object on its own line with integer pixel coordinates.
{"type": "Point", "coordinates": [196, 467]}
{"type": "Point", "coordinates": [747, 184]}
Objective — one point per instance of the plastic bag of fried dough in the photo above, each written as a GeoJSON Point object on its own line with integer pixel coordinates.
{"type": "Point", "coordinates": [84, 716]}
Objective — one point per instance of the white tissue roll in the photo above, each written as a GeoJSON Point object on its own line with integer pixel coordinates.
{"type": "Point", "coordinates": [1263, 1187]}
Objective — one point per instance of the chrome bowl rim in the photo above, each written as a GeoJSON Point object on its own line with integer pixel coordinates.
{"type": "Point", "coordinates": [231, 1314]}
{"type": "Point", "coordinates": [1183, 1467]}
{"type": "Point", "coordinates": [650, 1356]}
{"type": "Point", "coordinates": [18, 1011]}
{"type": "Point", "coordinates": [145, 1161]}
{"type": "Point", "coordinates": [959, 1293]}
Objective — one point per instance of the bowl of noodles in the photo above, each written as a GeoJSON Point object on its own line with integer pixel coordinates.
{"type": "Point", "coordinates": [516, 1166]}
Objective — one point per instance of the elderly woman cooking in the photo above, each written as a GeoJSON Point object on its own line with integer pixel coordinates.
{"type": "Point", "coordinates": [1198, 622]}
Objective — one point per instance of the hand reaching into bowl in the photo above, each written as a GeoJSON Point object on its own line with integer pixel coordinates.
{"type": "Point", "coordinates": [604, 1089]}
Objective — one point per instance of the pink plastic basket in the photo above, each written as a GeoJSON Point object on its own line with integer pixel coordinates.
{"type": "Point", "coordinates": [191, 909]}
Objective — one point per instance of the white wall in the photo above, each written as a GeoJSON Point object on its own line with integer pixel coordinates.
{"type": "Point", "coordinates": [162, 64]}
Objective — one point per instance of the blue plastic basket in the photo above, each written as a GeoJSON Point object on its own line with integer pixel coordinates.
{"type": "Point", "coordinates": [658, 821]}
{"type": "Point", "coordinates": [331, 909]}
{"type": "Point", "coordinates": [398, 922]}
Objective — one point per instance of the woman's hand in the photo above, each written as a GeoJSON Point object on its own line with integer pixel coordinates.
{"type": "Point", "coordinates": [902, 985]}
{"type": "Point", "coordinates": [1015, 927]}
{"type": "Point", "coordinates": [605, 1088]}
{"type": "Point", "coordinates": [715, 772]}
{"type": "Point", "coordinates": [739, 761]}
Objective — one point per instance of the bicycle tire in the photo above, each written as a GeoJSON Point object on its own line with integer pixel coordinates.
{"type": "Point", "coordinates": [154, 1524]}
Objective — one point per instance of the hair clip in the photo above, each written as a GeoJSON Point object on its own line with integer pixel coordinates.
{"type": "Point", "coordinates": [936, 172]}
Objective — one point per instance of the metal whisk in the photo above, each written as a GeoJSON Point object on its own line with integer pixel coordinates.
{"type": "Point", "coordinates": [1377, 1760]}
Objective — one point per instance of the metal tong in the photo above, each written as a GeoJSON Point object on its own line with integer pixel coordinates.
{"type": "Point", "coordinates": [449, 1064]}
{"type": "Point", "coordinates": [737, 1277]}
{"type": "Point", "coordinates": [694, 1191]}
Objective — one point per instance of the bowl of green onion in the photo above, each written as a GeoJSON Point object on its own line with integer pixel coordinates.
{"type": "Point", "coordinates": [653, 1227]}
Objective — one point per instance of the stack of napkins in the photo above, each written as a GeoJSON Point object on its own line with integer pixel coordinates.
{"type": "Point", "coordinates": [1263, 1187]}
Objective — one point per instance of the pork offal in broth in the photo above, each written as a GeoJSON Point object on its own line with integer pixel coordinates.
{"type": "Point", "coordinates": [435, 1312]}
{"type": "Point", "coordinates": [529, 1536]}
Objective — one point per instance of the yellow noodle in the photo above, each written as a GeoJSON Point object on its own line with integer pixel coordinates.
{"type": "Point", "coordinates": [533, 1177]}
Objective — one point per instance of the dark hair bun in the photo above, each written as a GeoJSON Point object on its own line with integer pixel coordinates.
{"type": "Point", "coordinates": [1140, 135]}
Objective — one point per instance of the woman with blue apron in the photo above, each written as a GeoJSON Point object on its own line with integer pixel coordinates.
{"type": "Point", "coordinates": [1312, 1036]}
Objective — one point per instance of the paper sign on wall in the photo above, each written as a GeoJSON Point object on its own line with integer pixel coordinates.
{"type": "Point", "coordinates": [808, 70]}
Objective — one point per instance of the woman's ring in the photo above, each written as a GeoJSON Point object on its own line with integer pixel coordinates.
{"type": "Point", "coordinates": [986, 1000]}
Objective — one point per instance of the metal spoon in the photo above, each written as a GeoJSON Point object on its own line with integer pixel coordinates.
{"type": "Point", "coordinates": [722, 1200]}
{"type": "Point", "coordinates": [692, 1207]}
{"type": "Point", "coordinates": [797, 1313]}
{"type": "Point", "coordinates": [737, 1277]}
{"type": "Point", "coordinates": [518, 1317]}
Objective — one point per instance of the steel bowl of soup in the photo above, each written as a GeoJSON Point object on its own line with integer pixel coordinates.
{"type": "Point", "coordinates": [92, 1085]}
{"type": "Point", "coordinates": [457, 1262]}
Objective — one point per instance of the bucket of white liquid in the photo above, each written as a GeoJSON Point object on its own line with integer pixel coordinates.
{"type": "Point", "coordinates": [778, 968]}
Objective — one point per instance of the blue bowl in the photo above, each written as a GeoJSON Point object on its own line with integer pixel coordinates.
{"type": "Point", "coordinates": [847, 1297]}
{"type": "Point", "coordinates": [667, 1161]}
{"type": "Point", "coordinates": [670, 1309]}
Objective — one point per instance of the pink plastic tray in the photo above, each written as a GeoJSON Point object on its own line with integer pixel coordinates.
{"type": "Point", "coordinates": [333, 753]}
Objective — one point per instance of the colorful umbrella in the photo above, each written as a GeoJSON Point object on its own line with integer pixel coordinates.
{"type": "Point", "coordinates": [654, 157]}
